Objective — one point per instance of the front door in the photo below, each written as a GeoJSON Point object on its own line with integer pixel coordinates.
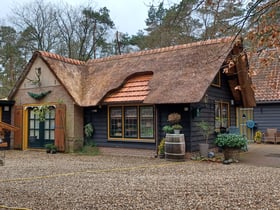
{"type": "Point", "coordinates": [41, 131]}
{"type": "Point", "coordinates": [243, 116]}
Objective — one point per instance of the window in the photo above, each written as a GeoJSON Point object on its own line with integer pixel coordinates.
{"type": "Point", "coordinates": [221, 115]}
{"type": "Point", "coordinates": [131, 122]}
{"type": "Point", "coordinates": [115, 122]}
{"type": "Point", "coordinates": [146, 122]}
{"type": "Point", "coordinates": [217, 80]}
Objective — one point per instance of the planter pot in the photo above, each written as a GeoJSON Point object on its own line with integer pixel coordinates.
{"type": "Point", "coordinates": [203, 148]}
{"type": "Point", "coordinates": [175, 148]}
{"type": "Point", "coordinates": [176, 131]}
{"type": "Point", "coordinates": [231, 153]}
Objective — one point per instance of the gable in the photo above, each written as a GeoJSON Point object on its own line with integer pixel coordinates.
{"type": "Point", "coordinates": [39, 72]}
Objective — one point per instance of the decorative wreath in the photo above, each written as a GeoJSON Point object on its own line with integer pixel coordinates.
{"type": "Point", "coordinates": [250, 124]}
{"type": "Point", "coordinates": [40, 95]}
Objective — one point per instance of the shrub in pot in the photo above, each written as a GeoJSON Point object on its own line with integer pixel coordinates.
{"type": "Point", "coordinates": [230, 142]}
{"type": "Point", "coordinates": [206, 129]}
{"type": "Point", "coordinates": [177, 128]}
{"type": "Point", "coordinates": [258, 137]}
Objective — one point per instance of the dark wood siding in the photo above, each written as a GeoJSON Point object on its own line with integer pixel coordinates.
{"type": "Point", "coordinates": [206, 111]}
{"type": "Point", "coordinates": [98, 117]}
{"type": "Point", "coordinates": [165, 110]}
{"type": "Point", "coordinates": [267, 116]}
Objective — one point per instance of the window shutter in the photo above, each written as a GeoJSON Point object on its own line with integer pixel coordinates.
{"type": "Point", "coordinates": [59, 132]}
{"type": "Point", "coordinates": [18, 122]}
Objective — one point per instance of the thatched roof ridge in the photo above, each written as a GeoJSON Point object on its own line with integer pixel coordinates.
{"type": "Point", "coordinates": [61, 58]}
{"type": "Point", "coordinates": [162, 50]}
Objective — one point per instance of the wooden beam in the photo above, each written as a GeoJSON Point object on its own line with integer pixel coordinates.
{"type": "Point", "coordinates": [7, 126]}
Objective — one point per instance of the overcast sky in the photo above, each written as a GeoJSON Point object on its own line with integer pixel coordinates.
{"type": "Point", "coordinates": [128, 15]}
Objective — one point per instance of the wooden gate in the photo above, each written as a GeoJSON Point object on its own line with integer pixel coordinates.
{"type": "Point", "coordinates": [245, 115]}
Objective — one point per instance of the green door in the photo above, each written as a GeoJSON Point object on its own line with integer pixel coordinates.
{"type": "Point", "coordinates": [41, 132]}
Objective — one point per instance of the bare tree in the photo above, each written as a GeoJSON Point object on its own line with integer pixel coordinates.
{"type": "Point", "coordinates": [37, 22]}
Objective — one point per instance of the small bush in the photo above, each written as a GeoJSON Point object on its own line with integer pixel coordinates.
{"type": "Point", "coordinates": [177, 127]}
{"type": "Point", "coordinates": [161, 147]}
{"type": "Point", "coordinates": [231, 141]}
{"type": "Point", "coordinates": [167, 129]}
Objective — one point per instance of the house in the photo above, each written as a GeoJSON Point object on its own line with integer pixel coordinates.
{"type": "Point", "coordinates": [266, 81]}
{"type": "Point", "coordinates": [127, 98]}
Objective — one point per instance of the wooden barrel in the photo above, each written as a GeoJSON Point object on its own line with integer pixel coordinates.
{"type": "Point", "coordinates": [175, 147]}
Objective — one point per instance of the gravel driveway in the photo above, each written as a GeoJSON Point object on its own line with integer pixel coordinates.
{"type": "Point", "coordinates": [36, 180]}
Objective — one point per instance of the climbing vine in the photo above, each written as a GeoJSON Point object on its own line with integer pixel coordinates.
{"type": "Point", "coordinates": [41, 111]}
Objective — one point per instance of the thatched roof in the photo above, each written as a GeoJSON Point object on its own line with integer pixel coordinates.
{"type": "Point", "coordinates": [180, 74]}
{"type": "Point", "coordinates": [265, 67]}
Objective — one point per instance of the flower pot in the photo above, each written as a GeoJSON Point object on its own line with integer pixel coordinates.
{"type": "Point", "coordinates": [203, 149]}
{"type": "Point", "coordinates": [230, 153]}
{"type": "Point", "coordinates": [176, 131]}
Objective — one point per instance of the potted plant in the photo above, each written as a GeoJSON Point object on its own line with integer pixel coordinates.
{"type": "Point", "coordinates": [51, 148]}
{"type": "Point", "coordinates": [161, 148]}
{"type": "Point", "coordinates": [167, 129]}
{"type": "Point", "coordinates": [177, 128]}
{"type": "Point", "coordinates": [206, 129]}
{"type": "Point", "coordinates": [230, 143]}
{"type": "Point", "coordinates": [258, 137]}
{"type": "Point", "coordinates": [174, 118]}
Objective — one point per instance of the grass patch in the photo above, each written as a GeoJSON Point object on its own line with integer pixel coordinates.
{"type": "Point", "coordinates": [91, 150]}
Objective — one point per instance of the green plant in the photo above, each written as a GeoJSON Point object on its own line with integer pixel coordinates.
{"type": "Point", "coordinates": [89, 130]}
{"type": "Point", "coordinates": [51, 148]}
{"type": "Point", "coordinates": [206, 129]}
{"type": "Point", "coordinates": [177, 127]}
{"type": "Point", "coordinates": [258, 136]}
{"type": "Point", "coordinates": [161, 146]}
{"type": "Point", "coordinates": [89, 149]}
{"type": "Point", "coordinates": [41, 111]}
{"type": "Point", "coordinates": [231, 141]}
{"type": "Point", "coordinates": [167, 129]}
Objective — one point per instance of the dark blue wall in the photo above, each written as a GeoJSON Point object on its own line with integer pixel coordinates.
{"type": "Point", "coordinates": [267, 116]}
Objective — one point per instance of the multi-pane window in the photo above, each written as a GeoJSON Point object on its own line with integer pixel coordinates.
{"type": "Point", "coordinates": [131, 122]}
{"type": "Point", "coordinates": [146, 122]}
{"type": "Point", "coordinates": [49, 125]}
{"type": "Point", "coordinates": [115, 122]}
{"type": "Point", "coordinates": [221, 115]}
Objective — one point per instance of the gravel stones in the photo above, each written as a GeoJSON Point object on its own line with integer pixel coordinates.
{"type": "Point", "coordinates": [36, 180]}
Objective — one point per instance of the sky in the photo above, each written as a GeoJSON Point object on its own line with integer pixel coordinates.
{"type": "Point", "coordinates": [128, 15]}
